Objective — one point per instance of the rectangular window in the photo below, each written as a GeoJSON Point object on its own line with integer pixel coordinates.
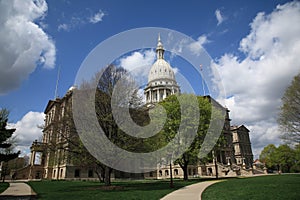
{"type": "Point", "coordinates": [77, 173]}
{"type": "Point", "coordinates": [38, 158]}
{"type": "Point", "coordinates": [151, 174]}
{"type": "Point", "coordinates": [90, 173]}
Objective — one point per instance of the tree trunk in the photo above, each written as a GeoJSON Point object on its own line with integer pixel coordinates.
{"type": "Point", "coordinates": [107, 176]}
{"type": "Point", "coordinates": [185, 173]}
{"type": "Point", "coordinates": [184, 167]}
{"type": "Point", "coordinates": [99, 176]}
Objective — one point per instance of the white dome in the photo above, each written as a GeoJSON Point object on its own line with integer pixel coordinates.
{"type": "Point", "coordinates": [161, 70]}
{"type": "Point", "coordinates": [161, 78]}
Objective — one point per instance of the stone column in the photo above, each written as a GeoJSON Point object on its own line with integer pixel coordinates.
{"type": "Point", "coordinates": [32, 158]}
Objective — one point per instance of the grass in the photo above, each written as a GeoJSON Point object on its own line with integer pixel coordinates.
{"type": "Point", "coordinates": [133, 190]}
{"type": "Point", "coordinates": [3, 186]}
{"type": "Point", "coordinates": [263, 187]}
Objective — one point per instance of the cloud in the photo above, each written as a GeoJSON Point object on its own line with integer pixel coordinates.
{"type": "Point", "coordinates": [175, 70]}
{"type": "Point", "coordinates": [139, 63]}
{"type": "Point", "coordinates": [23, 42]}
{"type": "Point", "coordinates": [97, 17]}
{"type": "Point", "coordinates": [255, 83]}
{"type": "Point", "coordinates": [27, 130]}
{"type": "Point", "coordinates": [197, 46]}
{"type": "Point", "coordinates": [63, 27]}
{"type": "Point", "coordinates": [262, 133]}
{"type": "Point", "coordinates": [81, 19]}
{"type": "Point", "coordinates": [219, 17]}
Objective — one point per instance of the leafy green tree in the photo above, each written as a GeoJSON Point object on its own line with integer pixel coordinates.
{"type": "Point", "coordinates": [281, 158]}
{"type": "Point", "coordinates": [289, 117]}
{"type": "Point", "coordinates": [296, 165]}
{"type": "Point", "coordinates": [284, 158]}
{"type": "Point", "coordinates": [188, 122]}
{"type": "Point", "coordinates": [266, 155]}
{"type": "Point", "coordinates": [6, 153]}
{"type": "Point", "coordinates": [5, 134]}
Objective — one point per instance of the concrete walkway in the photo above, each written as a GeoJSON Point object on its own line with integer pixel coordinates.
{"type": "Point", "coordinates": [191, 192]}
{"type": "Point", "coordinates": [18, 190]}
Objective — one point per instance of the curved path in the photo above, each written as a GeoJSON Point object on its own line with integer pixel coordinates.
{"type": "Point", "coordinates": [191, 192]}
{"type": "Point", "coordinates": [18, 190]}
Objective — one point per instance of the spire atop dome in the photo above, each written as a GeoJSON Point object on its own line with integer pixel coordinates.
{"type": "Point", "coordinates": [161, 78]}
{"type": "Point", "coordinates": [160, 49]}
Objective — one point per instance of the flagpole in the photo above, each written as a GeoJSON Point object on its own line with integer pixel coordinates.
{"type": "Point", "coordinates": [201, 69]}
{"type": "Point", "coordinates": [57, 82]}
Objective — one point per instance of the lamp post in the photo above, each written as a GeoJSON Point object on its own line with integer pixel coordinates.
{"type": "Point", "coordinates": [1, 169]}
{"type": "Point", "coordinates": [216, 166]}
{"type": "Point", "coordinates": [171, 174]}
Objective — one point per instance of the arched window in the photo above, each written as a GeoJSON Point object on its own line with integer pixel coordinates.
{"type": "Point", "coordinates": [175, 172]}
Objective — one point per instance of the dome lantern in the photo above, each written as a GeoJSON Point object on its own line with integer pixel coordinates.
{"type": "Point", "coordinates": [161, 78]}
{"type": "Point", "coordinates": [159, 49]}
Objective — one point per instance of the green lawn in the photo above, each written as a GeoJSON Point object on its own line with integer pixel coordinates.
{"type": "Point", "coordinates": [3, 186]}
{"type": "Point", "coordinates": [133, 190]}
{"type": "Point", "coordinates": [263, 187]}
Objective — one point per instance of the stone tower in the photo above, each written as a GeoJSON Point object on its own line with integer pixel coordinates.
{"type": "Point", "coordinates": [161, 78]}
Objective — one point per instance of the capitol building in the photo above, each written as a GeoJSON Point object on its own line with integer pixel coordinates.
{"type": "Point", "coordinates": [161, 78]}
{"type": "Point", "coordinates": [51, 158]}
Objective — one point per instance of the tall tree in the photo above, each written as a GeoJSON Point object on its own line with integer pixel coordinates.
{"type": "Point", "coordinates": [296, 166]}
{"type": "Point", "coordinates": [281, 158]}
{"type": "Point", "coordinates": [105, 87]}
{"type": "Point", "coordinates": [5, 133]}
{"type": "Point", "coordinates": [266, 156]}
{"type": "Point", "coordinates": [191, 122]}
{"type": "Point", "coordinates": [284, 158]}
{"type": "Point", "coordinates": [115, 91]}
{"type": "Point", "coordinates": [289, 117]}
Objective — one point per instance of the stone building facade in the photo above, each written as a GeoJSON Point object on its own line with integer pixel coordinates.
{"type": "Point", "coordinates": [242, 146]}
{"type": "Point", "coordinates": [51, 158]}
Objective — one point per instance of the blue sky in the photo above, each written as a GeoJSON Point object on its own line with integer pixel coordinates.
{"type": "Point", "coordinates": [61, 34]}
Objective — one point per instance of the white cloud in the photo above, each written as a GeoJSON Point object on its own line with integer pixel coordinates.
{"type": "Point", "coordinates": [175, 70]}
{"type": "Point", "coordinates": [197, 46]}
{"type": "Point", "coordinates": [139, 63]}
{"type": "Point", "coordinates": [219, 16]}
{"type": "Point", "coordinates": [262, 133]}
{"type": "Point", "coordinates": [81, 19]}
{"type": "Point", "coordinates": [27, 130]}
{"type": "Point", "coordinates": [97, 17]}
{"type": "Point", "coordinates": [256, 83]}
{"type": "Point", "coordinates": [23, 42]}
{"type": "Point", "coordinates": [63, 27]}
